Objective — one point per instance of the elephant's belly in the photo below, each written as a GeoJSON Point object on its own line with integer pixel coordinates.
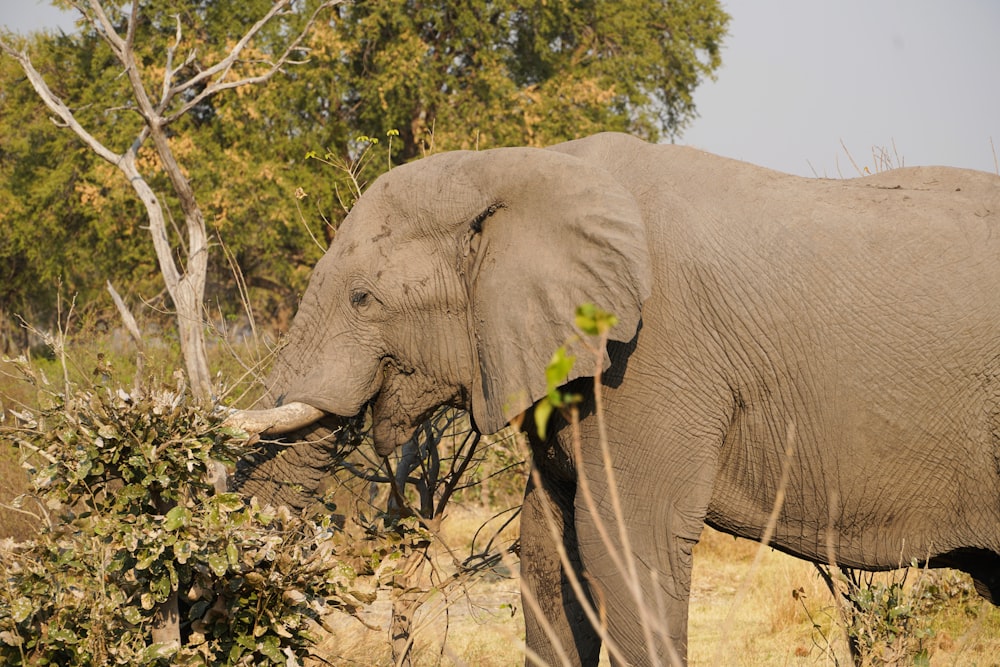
{"type": "Point", "coordinates": [862, 498]}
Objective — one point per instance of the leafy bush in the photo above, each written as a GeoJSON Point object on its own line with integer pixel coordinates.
{"type": "Point", "coordinates": [884, 623]}
{"type": "Point", "coordinates": [130, 524]}
{"type": "Point", "coordinates": [888, 622]}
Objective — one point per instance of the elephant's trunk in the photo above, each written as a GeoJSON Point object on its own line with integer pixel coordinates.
{"type": "Point", "coordinates": [275, 421]}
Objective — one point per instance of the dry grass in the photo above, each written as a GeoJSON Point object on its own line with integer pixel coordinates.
{"type": "Point", "coordinates": [770, 627]}
{"type": "Point", "coordinates": [14, 394]}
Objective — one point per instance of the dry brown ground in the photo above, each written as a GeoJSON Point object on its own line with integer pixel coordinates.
{"type": "Point", "coordinates": [739, 617]}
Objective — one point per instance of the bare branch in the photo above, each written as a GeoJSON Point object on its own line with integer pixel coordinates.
{"type": "Point", "coordinates": [168, 71]}
{"type": "Point", "coordinates": [133, 19]}
{"type": "Point", "coordinates": [221, 69]}
{"type": "Point", "coordinates": [223, 66]}
{"type": "Point", "coordinates": [127, 318]}
{"type": "Point", "coordinates": [101, 19]}
{"type": "Point", "coordinates": [217, 88]}
{"type": "Point", "coordinates": [54, 103]}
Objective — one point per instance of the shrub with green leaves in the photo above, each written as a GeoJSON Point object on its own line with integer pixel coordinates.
{"type": "Point", "coordinates": [129, 520]}
{"type": "Point", "coordinates": [884, 625]}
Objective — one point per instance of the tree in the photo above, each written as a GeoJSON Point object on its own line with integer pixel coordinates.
{"type": "Point", "coordinates": [46, 175]}
{"type": "Point", "coordinates": [455, 74]}
{"type": "Point", "coordinates": [468, 73]}
{"type": "Point", "coordinates": [154, 96]}
{"type": "Point", "coordinates": [152, 99]}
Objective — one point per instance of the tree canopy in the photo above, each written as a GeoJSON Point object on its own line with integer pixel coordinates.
{"type": "Point", "coordinates": [460, 74]}
{"type": "Point", "coordinates": [444, 74]}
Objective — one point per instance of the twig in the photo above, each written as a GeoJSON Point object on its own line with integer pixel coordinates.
{"type": "Point", "coordinates": [133, 330]}
{"type": "Point", "coordinates": [221, 69]}
{"type": "Point", "coordinates": [851, 158]}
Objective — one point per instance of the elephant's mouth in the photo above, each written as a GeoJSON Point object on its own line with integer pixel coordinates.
{"type": "Point", "coordinates": [393, 419]}
{"type": "Point", "coordinates": [297, 421]}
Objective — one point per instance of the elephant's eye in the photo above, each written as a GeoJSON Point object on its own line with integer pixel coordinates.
{"type": "Point", "coordinates": [360, 298]}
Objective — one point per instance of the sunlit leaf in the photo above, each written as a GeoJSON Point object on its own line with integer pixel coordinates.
{"type": "Point", "coordinates": [593, 321]}
{"type": "Point", "coordinates": [559, 367]}
{"type": "Point", "coordinates": [219, 564]}
{"type": "Point", "coordinates": [21, 609]}
{"type": "Point", "coordinates": [177, 517]}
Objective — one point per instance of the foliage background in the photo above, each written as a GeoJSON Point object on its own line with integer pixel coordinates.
{"type": "Point", "coordinates": [444, 74]}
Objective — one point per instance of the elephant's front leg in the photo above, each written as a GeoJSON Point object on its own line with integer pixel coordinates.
{"type": "Point", "coordinates": [557, 630]}
{"type": "Point", "coordinates": [636, 550]}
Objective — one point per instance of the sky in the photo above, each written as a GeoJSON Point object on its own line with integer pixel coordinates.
{"type": "Point", "coordinates": [800, 77]}
{"type": "Point", "coordinates": [807, 86]}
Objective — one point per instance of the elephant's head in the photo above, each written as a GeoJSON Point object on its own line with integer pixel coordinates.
{"type": "Point", "coordinates": [452, 281]}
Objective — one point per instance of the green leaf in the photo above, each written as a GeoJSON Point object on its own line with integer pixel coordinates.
{"type": "Point", "coordinates": [235, 653]}
{"type": "Point", "coordinates": [219, 564]}
{"type": "Point", "coordinates": [177, 517]}
{"type": "Point", "coordinates": [271, 648]}
{"type": "Point", "coordinates": [543, 411]}
{"type": "Point", "coordinates": [593, 321]}
{"type": "Point", "coordinates": [146, 557]}
{"type": "Point", "coordinates": [156, 652]}
{"type": "Point", "coordinates": [21, 609]}
{"type": "Point", "coordinates": [132, 615]}
{"type": "Point", "coordinates": [63, 635]}
{"type": "Point", "coordinates": [235, 433]}
{"type": "Point", "coordinates": [183, 551]}
{"type": "Point", "coordinates": [559, 367]}
{"type": "Point", "coordinates": [228, 502]}
{"type": "Point", "coordinates": [160, 587]}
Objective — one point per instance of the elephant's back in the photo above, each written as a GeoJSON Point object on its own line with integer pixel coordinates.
{"type": "Point", "coordinates": [953, 182]}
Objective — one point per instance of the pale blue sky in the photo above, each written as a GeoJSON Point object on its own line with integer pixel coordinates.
{"type": "Point", "coordinates": [27, 15]}
{"type": "Point", "coordinates": [801, 76]}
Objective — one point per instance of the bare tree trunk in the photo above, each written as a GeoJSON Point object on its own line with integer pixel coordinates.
{"type": "Point", "coordinates": [191, 328]}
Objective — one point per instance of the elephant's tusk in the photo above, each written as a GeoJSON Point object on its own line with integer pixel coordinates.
{"type": "Point", "coordinates": [274, 421]}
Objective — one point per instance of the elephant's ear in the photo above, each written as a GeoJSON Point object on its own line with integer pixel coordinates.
{"type": "Point", "coordinates": [559, 233]}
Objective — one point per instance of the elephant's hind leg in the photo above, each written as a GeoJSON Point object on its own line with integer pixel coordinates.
{"type": "Point", "coordinates": [559, 623]}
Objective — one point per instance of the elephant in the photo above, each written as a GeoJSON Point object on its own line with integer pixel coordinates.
{"type": "Point", "coordinates": [832, 341]}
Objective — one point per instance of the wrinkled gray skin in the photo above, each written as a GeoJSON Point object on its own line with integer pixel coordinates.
{"type": "Point", "coordinates": [864, 314]}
